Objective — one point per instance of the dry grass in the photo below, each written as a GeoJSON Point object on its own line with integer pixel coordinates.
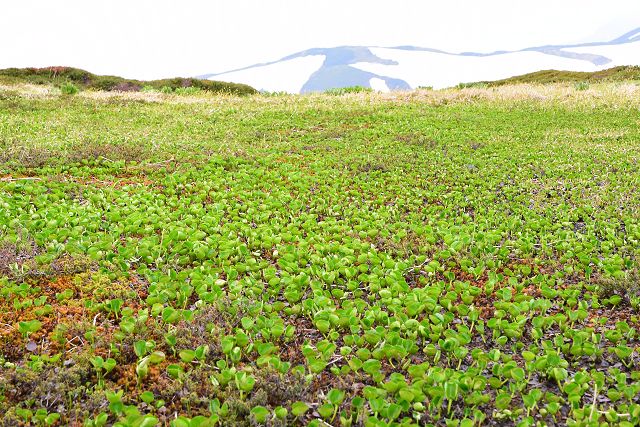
{"type": "Point", "coordinates": [611, 94]}
{"type": "Point", "coordinates": [13, 257]}
{"type": "Point", "coordinates": [29, 90]}
{"type": "Point", "coordinates": [605, 93]}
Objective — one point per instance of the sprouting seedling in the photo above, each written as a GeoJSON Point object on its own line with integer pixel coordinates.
{"type": "Point", "coordinates": [102, 367]}
{"type": "Point", "coordinates": [451, 390]}
{"type": "Point", "coordinates": [30, 326]}
{"type": "Point", "coordinates": [335, 398]}
{"type": "Point", "coordinates": [171, 315]}
{"type": "Point", "coordinates": [624, 353]}
{"type": "Point", "coordinates": [244, 383]}
{"type": "Point", "coordinates": [147, 397]}
{"type": "Point", "coordinates": [115, 401]}
{"type": "Point", "coordinates": [142, 368]}
{"type": "Point", "coordinates": [299, 408]}
{"type": "Point", "coordinates": [171, 340]}
{"type": "Point", "coordinates": [280, 413]}
{"type": "Point", "coordinates": [42, 417]}
{"type": "Point", "coordinates": [175, 371]}
{"type": "Point", "coordinates": [99, 420]}
{"type": "Point", "coordinates": [24, 414]}
{"type": "Point", "coordinates": [199, 354]}
{"type": "Point", "coordinates": [372, 367]}
{"type": "Point", "coordinates": [260, 414]}
{"type": "Point", "coordinates": [141, 348]}
{"type": "Point", "coordinates": [114, 306]}
{"type": "Point", "coordinates": [531, 400]}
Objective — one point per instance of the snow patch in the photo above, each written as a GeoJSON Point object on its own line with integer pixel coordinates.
{"type": "Point", "coordinates": [620, 54]}
{"type": "Point", "coordinates": [441, 70]}
{"type": "Point", "coordinates": [378, 85]}
{"type": "Point", "coordinates": [288, 76]}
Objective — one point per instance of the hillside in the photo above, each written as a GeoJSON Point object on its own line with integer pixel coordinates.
{"type": "Point", "coordinates": [428, 258]}
{"type": "Point", "coordinates": [86, 80]}
{"type": "Point", "coordinates": [615, 74]}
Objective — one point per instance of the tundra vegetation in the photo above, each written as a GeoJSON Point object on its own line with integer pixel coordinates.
{"type": "Point", "coordinates": [615, 74]}
{"type": "Point", "coordinates": [461, 257]}
{"type": "Point", "coordinates": [70, 80]}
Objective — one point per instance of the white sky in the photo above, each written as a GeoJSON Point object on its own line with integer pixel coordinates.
{"type": "Point", "coordinates": [166, 38]}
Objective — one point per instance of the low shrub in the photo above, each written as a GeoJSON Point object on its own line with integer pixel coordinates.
{"type": "Point", "coordinates": [81, 79]}
{"type": "Point", "coordinates": [69, 89]}
{"type": "Point", "coordinates": [581, 86]}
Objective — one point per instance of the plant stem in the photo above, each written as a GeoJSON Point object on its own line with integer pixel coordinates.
{"type": "Point", "coordinates": [593, 405]}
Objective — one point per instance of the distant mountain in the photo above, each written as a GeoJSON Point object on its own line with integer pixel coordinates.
{"type": "Point", "coordinates": [406, 67]}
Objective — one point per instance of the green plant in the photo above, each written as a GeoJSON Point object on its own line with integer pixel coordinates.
{"type": "Point", "coordinates": [450, 257]}
{"type": "Point", "coordinates": [69, 89]}
{"type": "Point", "coordinates": [581, 85]}
{"type": "Point", "coordinates": [187, 90]}
{"type": "Point", "coordinates": [102, 367]}
{"type": "Point", "coordinates": [28, 327]}
{"type": "Point", "coordinates": [62, 76]}
{"type": "Point", "coordinates": [347, 90]}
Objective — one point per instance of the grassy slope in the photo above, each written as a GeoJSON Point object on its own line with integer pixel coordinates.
{"type": "Point", "coordinates": [87, 80]}
{"type": "Point", "coordinates": [616, 74]}
{"type": "Point", "coordinates": [477, 250]}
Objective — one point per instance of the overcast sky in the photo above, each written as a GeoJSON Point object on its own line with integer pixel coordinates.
{"type": "Point", "coordinates": [165, 38]}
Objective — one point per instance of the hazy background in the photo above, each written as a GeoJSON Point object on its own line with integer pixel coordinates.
{"type": "Point", "coordinates": [163, 38]}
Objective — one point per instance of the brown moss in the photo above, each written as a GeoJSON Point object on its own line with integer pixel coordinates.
{"type": "Point", "coordinates": [89, 150]}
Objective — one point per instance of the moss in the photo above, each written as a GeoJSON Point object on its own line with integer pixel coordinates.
{"type": "Point", "coordinates": [627, 287]}
{"type": "Point", "coordinates": [61, 389]}
{"type": "Point", "coordinates": [15, 156]}
{"type": "Point", "coordinates": [87, 150]}
{"type": "Point", "coordinates": [20, 263]}
{"type": "Point", "coordinates": [13, 255]}
{"type": "Point", "coordinates": [100, 287]}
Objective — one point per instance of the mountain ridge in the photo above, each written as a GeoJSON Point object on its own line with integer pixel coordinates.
{"type": "Point", "coordinates": [346, 65]}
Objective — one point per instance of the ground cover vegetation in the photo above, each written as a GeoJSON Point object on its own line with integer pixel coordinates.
{"type": "Point", "coordinates": [70, 80]}
{"type": "Point", "coordinates": [462, 257]}
{"type": "Point", "coordinates": [621, 73]}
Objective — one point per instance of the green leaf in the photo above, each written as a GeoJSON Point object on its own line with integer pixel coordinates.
{"type": "Point", "coordinates": [518, 374]}
{"type": "Point", "coordinates": [503, 400]}
{"type": "Point", "coordinates": [29, 327]}
{"type": "Point", "coordinates": [170, 315]}
{"type": "Point", "coordinates": [326, 411]}
{"type": "Point", "coordinates": [175, 371]}
{"type": "Point", "coordinates": [372, 366]}
{"type": "Point", "coordinates": [280, 412]}
{"type": "Point", "coordinates": [187, 356]}
{"type": "Point", "coordinates": [147, 397]}
{"type": "Point", "coordinates": [299, 408]}
{"type": "Point", "coordinates": [335, 396]}
{"type": "Point", "coordinates": [156, 357]}
{"type": "Point", "coordinates": [140, 348]}
{"type": "Point", "coordinates": [260, 414]}
{"type": "Point", "coordinates": [393, 411]}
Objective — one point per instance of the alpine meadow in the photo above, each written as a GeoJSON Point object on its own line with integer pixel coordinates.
{"type": "Point", "coordinates": [185, 257]}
